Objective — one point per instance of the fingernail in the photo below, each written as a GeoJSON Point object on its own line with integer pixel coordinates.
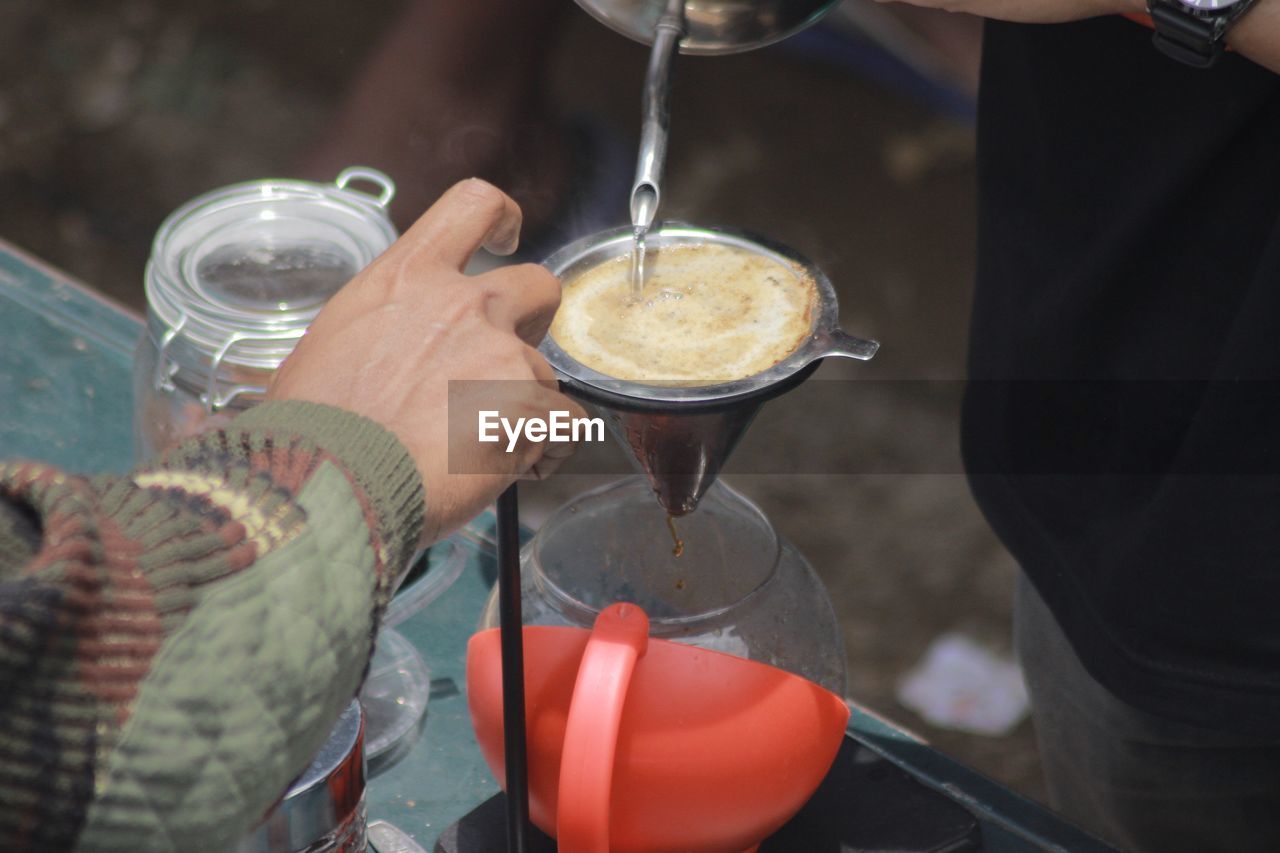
{"type": "Point", "coordinates": [504, 243]}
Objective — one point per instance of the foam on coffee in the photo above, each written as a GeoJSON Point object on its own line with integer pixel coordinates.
{"type": "Point", "coordinates": [708, 313]}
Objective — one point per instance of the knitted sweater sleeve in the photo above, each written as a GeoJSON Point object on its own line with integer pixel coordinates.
{"type": "Point", "coordinates": [175, 644]}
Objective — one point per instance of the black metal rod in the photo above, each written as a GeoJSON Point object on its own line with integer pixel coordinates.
{"type": "Point", "coordinates": [512, 631]}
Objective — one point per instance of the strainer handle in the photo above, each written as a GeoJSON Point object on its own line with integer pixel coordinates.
{"type": "Point", "coordinates": [386, 186]}
{"type": "Point", "coordinates": [837, 342]}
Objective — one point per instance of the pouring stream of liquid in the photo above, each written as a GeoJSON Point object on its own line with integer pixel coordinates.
{"type": "Point", "coordinates": [637, 263]}
{"type": "Point", "coordinates": [677, 544]}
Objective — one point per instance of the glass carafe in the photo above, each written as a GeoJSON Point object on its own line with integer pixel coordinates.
{"type": "Point", "coordinates": [735, 587]}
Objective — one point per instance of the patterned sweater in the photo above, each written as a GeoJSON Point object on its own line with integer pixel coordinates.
{"type": "Point", "coordinates": [175, 644]}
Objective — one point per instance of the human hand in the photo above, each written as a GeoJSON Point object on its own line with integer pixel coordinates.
{"type": "Point", "coordinates": [388, 343]}
{"type": "Point", "coordinates": [1033, 11]}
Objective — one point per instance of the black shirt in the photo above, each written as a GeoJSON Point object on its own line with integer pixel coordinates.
{"type": "Point", "coordinates": [1122, 423]}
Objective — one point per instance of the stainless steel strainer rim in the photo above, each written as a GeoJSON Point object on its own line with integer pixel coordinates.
{"type": "Point", "coordinates": [826, 339]}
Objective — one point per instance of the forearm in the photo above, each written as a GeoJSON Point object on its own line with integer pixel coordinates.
{"type": "Point", "coordinates": [1257, 34]}
{"type": "Point", "coordinates": [177, 642]}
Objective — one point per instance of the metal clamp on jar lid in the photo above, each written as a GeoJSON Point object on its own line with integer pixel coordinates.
{"type": "Point", "coordinates": [236, 275]}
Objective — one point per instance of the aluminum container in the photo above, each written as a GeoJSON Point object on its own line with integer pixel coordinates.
{"type": "Point", "coordinates": [712, 26]}
{"type": "Point", "coordinates": [324, 810]}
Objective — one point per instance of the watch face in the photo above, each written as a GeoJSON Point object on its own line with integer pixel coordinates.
{"type": "Point", "coordinates": [1208, 5]}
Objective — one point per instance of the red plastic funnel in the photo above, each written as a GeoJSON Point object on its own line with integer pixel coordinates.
{"type": "Point", "coordinates": [670, 747]}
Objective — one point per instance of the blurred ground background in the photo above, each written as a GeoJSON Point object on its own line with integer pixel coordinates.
{"type": "Point", "coordinates": [114, 113]}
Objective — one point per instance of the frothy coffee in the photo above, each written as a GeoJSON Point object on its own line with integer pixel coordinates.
{"type": "Point", "coordinates": [708, 313]}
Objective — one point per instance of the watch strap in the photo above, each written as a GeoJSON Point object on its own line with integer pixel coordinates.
{"type": "Point", "coordinates": [1191, 37]}
{"type": "Point", "coordinates": [1194, 41]}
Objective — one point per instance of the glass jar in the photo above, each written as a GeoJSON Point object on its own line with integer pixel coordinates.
{"type": "Point", "coordinates": [235, 277]}
{"type": "Point", "coordinates": [734, 586]}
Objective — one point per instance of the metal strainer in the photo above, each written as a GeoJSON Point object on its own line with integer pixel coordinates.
{"type": "Point", "coordinates": [679, 436]}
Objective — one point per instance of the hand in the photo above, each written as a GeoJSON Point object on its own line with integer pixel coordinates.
{"type": "Point", "coordinates": [388, 343]}
{"type": "Point", "coordinates": [1034, 11]}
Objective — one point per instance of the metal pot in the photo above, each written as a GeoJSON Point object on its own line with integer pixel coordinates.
{"type": "Point", "coordinates": [712, 26]}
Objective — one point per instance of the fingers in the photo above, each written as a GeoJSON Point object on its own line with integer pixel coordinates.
{"type": "Point", "coordinates": [526, 299]}
{"type": "Point", "coordinates": [549, 455]}
{"type": "Point", "coordinates": [541, 370]}
{"type": "Point", "coordinates": [469, 215]}
{"type": "Point", "coordinates": [553, 456]}
{"type": "Point", "coordinates": [550, 462]}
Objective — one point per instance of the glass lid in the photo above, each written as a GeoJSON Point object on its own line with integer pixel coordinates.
{"type": "Point", "coordinates": [274, 260]}
{"type": "Point", "coordinates": [252, 264]}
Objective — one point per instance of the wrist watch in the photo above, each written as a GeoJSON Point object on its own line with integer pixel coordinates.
{"type": "Point", "coordinates": [1192, 31]}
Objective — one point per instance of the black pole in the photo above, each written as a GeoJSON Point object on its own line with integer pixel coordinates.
{"type": "Point", "coordinates": [512, 670]}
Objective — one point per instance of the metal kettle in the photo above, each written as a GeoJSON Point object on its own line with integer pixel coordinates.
{"type": "Point", "coordinates": [712, 26]}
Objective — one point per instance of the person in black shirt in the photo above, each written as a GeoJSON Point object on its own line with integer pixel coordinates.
{"type": "Point", "coordinates": [1122, 423]}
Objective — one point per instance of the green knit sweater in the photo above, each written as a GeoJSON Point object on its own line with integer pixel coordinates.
{"type": "Point", "coordinates": [175, 644]}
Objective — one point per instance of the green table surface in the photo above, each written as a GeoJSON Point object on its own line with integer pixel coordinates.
{"type": "Point", "coordinates": [65, 377]}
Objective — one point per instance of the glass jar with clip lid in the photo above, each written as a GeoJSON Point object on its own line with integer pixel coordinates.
{"type": "Point", "coordinates": [235, 277]}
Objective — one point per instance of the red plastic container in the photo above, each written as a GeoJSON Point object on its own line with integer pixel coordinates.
{"type": "Point", "coordinates": [663, 746]}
